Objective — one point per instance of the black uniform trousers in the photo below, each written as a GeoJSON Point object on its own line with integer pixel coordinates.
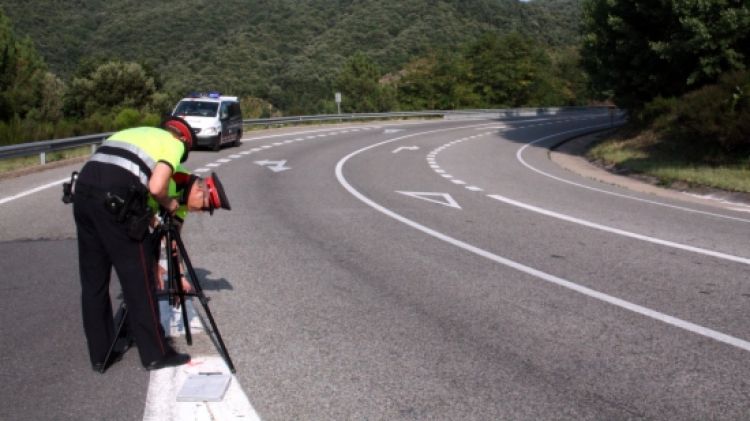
{"type": "Point", "coordinates": [103, 243]}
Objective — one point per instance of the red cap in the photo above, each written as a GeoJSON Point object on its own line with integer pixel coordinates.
{"type": "Point", "coordinates": [217, 195]}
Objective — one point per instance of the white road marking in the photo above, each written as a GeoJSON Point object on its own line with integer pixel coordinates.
{"type": "Point", "coordinates": [275, 166]}
{"type": "Point", "coordinates": [202, 170]}
{"type": "Point", "coordinates": [223, 160]}
{"type": "Point", "coordinates": [32, 191]}
{"type": "Point", "coordinates": [618, 231]}
{"type": "Point", "coordinates": [405, 148]}
{"type": "Point", "coordinates": [519, 157]}
{"type": "Point", "coordinates": [165, 384]}
{"type": "Point", "coordinates": [213, 165]}
{"type": "Point", "coordinates": [618, 302]}
{"type": "Point", "coordinates": [444, 199]}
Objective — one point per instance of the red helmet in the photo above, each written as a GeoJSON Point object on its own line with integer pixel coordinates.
{"type": "Point", "coordinates": [182, 130]}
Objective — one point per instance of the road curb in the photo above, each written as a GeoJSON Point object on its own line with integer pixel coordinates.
{"type": "Point", "coordinates": [570, 155]}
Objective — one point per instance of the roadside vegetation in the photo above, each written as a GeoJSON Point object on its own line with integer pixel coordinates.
{"type": "Point", "coordinates": [66, 71]}
{"type": "Point", "coordinates": [681, 69]}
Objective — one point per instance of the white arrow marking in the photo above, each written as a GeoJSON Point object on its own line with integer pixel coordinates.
{"type": "Point", "coordinates": [447, 200]}
{"type": "Point", "coordinates": [407, 148]}
{"type": "Point", "coordinates": [275, 166]}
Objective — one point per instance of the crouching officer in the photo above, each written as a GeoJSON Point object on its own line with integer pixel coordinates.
{"type": "Point", "coordinates": [112, 220]}
{"type": "Point", "coordinates": [194, 194]}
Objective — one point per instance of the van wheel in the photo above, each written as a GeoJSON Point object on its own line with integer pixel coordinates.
{"type": "Point", "coordinates": [217, 144]}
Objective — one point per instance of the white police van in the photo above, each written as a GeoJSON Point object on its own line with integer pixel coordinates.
{"type": "Point", "coordinates": [216, 119]}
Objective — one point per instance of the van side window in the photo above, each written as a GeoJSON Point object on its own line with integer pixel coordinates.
{"type": "Point", "coordinates": [224, 110]}
{"type": "Point", "coordinates": [234, 111]}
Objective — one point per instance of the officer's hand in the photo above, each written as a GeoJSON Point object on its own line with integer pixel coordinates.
{"type": "Point", "coordinates": [173, 206]}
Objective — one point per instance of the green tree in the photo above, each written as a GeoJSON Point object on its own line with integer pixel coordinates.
{"type": "Point", "coordinates": [511, 71]}
{"type": "Point", "coordinates": [636, 50]}
{"type": "Point", "coordinates": [51, 98]}
{"type": "Point", "coordinates": [438, 81]}
{"type": "Point", "coordinates": [22, 73]}
{"type": "Point", "coordinates": [110, 87]}
{"type": "Point", "coordinates": [359, 84]}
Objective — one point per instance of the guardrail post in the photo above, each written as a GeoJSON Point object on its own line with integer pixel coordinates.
{"type": "Point", "coordinates": [93, 148]}
{"type": "Point", "coordinates": [43, 158]}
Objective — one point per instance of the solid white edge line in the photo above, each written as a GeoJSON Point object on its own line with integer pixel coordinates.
{"type": "Point", "coordinates": [165, 384]}
{"type": "Point", "coordinates": [519, 157]}
{"type": "Point", "coordinates": [32, 191]}
{"type": "Point", "coordinates": [621, 232]}
{"type": "Point", "coordinates": [653, 314]}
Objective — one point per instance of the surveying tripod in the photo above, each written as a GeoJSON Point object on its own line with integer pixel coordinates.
{"type": "Point", "coordinates": [168, 232]}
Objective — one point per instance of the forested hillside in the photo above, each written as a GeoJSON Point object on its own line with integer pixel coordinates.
{"type": "Point", "coordinates": [288, 52]}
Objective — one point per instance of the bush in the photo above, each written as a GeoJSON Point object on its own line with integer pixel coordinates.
{"type": "Point", "coordinates": [127, 118]}
{"type": "Point", "coordinates": [716, 115]}
{"type": "Point", "coordinates": [658, 110]}
{"type": "Point", "coordinates": [150, 119]}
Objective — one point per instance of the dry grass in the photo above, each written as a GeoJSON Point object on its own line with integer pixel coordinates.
{"type": "Point", "coordinates": [644, 153]}
{"type": "Point", "coordinates": [30, 162]}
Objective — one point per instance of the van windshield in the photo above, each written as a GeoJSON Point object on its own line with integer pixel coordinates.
{"type": "Point", "coordinates": [197, 108]}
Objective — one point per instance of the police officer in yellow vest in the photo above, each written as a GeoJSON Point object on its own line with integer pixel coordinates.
{"type": "Point", "coordinates": [112, 219]}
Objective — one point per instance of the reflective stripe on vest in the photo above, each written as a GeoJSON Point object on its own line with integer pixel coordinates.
{"type": "Point", "coordinates": [124, 163]}
{"type": "Point", "coordinates": [134, 149]}
{"type": "Point", "coordinates": [139, 149]}
{"type": "Point", "coordinates": [127, 156]}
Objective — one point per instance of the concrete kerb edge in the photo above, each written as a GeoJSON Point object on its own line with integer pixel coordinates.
{"type": "Point", "coordinates": [570, 155]}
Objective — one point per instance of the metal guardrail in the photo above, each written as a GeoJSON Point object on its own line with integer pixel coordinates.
{"type": "Point", "coordinates": [46, 146]}
{"type": "Point", "coordinates": [340, 117]}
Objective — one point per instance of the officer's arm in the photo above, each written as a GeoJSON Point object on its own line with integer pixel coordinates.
{"type": "Point", "coordinates": [158, 186]}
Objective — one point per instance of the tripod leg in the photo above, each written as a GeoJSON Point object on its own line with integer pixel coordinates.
{"type": "Point", "coordinates": [123, 313]}
{"type": "Point", "coordinates": [175, 279]}
{"type": "Point", "coordinates": [204, 302]}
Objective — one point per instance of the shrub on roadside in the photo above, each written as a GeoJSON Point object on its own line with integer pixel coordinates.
{"type": "Point", "coordinates": [715, 116]}
{"type": "Point", "coordinates": [656, 112]}
{"type": "Point", "coordinates": [126, 118]}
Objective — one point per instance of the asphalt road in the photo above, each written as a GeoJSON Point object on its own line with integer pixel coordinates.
{"type": "Point", "coordinates": [413, 270]}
